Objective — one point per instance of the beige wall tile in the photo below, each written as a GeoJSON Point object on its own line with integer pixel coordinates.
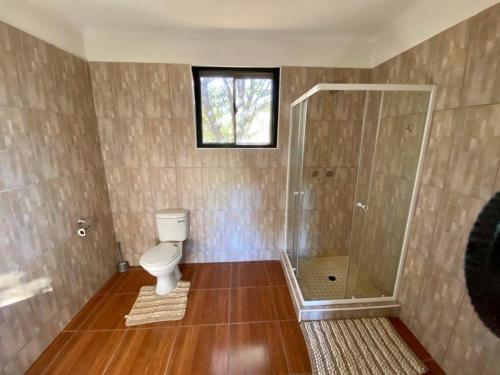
{"type": "Point", "coordinates": [181, 91]}
{"type": "Point", "coordinates": [460, 173]}
{"type": "Point", "coordinates": [194, 247]}
{"type": "Point", "coordinates": [126, 87]}
{"type": "Point", "coordinates": [475, 155]}
{"type": "Point", "coordinates": [156, 91]}
{"type": "Point", "coordinates": [215, 184]}
{"type": "Point", "coordinates": [190, 188]}
{"type": "Point", "coordinates": [10, 91]}
{"type": "Point", "coordinates": [160, 143]}
{"type": "Point", "coordinates": [473, 348]}
{"type": "Point", "coordinates": [102, 91]}
{"type": "Point", "coordinates": [456, 217]}
{"type": "Point", "coordinates": [214, 158]}
{"type": "Point", "coordinates": [164, 188]}
{"type": "Point", "coordinates": [13, 130]}
{"type": "Point", "coordinates": [439, 148]}
{"type": "Point", "coordinates": [439, 303]}
{"type": "Point", "coordinates": [263, 237]}
{"type": "Point", "coordinates": [151, 160]}
{"type": "Point", "coordinates": [425, 220]}
{"type": "Point", "coordinates": [51, 173]}
{"type": "Point", "coordinates": [482, 76]}
{"type": "Point", "coordinates": [449, 57]}
{"type": "Point", "coordinates": [216, 224]}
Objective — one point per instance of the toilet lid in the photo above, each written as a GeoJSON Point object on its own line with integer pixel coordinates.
{"type": "Point", "coordinates": [161, 254]}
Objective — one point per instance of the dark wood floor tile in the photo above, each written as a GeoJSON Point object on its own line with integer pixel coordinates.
{"type": "Point", "coordinates": [201, 350]}
{"type": "Point", "coordinates": [111, 283]}
{"type": "Point", "coordinates": [295, 348]}
{"type": "Point", "coordinates": [410, 339]}
{"type": "Point", "coordinates": [249, 274]}
{"type": "Point", "coordinates": [84, 313]}
{"type": "Point", "coordinates": [86, 353]}
{"type": "Point", "coordinates": [49, 354]}
{"type": "Point", "coordinates": [256, 349]}
{"type": "Point", "coordinates": [212, 276]}
{"type": "Point", "coordinates": [110, 312]}
{"type": "Point", "coordinates": [143, 351]}
{"type": "Point", "coordinates": [275, 273]}
{"type": "Point", "coordinates": [251, 305]}
{"type": "Point", "coordinates": [207, 307]}
{"type": "Point", "coordinates": [132, 281]}
{"type": "Point", "coordinates": [188, 271]}
{"type": "Point", "coordinates": [283, 303]}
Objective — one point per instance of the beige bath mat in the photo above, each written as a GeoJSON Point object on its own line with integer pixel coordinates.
{"type": "Point", "coordinates": [358, 346]}
{"type": "Point", "coordinates": [150, 307]}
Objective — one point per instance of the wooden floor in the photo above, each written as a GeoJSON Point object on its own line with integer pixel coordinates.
{"type": "Point", "coordinates": [239, 320]}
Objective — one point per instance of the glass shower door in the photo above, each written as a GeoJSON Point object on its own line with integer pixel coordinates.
{"type": "Point", "coordinates": [294, 189]}
{"type": "Point", "coordinates": [390, 151]}
{"type": "Point", "coordinates": [356, 283]}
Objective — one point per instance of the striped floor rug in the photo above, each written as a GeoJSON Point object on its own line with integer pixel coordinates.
{"type": "Point", "coordinates": [358, 346]}
{"type": "Point", "coordinates": [150, 307]}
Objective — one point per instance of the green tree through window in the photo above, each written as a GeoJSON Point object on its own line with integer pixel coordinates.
{"type": "Point", "coordinates": [236, 108]}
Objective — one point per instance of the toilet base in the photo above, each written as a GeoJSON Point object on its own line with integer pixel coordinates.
{"type": "Point", "coordinates": [166, 283]}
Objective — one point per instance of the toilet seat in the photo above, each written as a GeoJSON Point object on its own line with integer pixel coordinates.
{"type": "Point", "coordinates": [162, 255]}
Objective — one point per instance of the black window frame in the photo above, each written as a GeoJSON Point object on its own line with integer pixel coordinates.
{"type": "Point", "coordinates": [235, 72]}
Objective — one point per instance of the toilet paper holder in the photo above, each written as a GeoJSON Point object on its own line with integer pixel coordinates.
{"type": "Point", "coordinates": [84, 226]}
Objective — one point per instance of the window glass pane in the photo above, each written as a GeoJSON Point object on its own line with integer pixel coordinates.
{"type": "Point", "coordinates": [217, 109]}
{"type": "Point", "coordinates": [253, 110]}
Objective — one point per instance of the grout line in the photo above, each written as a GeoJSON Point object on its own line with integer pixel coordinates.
{"type": "Point", "coordinates": [87, 317]}
{"type": "Point", "coordinates": [115, 351]}
{"type": "Point", "coordinates": [57, 354]}
{"type": "Point", "coordinates": [99, 330]}
{"type": "Point", "coordinates": [177, 333]}
{"type": "Point", "coordinates": [101, 296]}
{"type": "Point", "coordinates": [274, 303]}
{"type": "Point", "coordinates": [283, 348]}
{"type": "Point", "coordinates": [455, 322]}
{"type": "Point", "coordinates": [196, 289]}
{"type": "Point", "coordinates": [136, 328]}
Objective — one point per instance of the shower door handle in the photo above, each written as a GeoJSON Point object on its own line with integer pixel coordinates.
{"type": "Point", "coordinates": [364, 207]}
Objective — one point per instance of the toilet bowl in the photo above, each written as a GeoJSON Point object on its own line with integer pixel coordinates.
{"type": "Point", "coordinates": [162, 261]}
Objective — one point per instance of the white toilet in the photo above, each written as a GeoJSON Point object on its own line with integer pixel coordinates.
{"type": "Point", "coordinates": [162, 260]}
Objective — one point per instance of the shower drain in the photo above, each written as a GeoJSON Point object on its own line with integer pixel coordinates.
{"type": "Point", "coordinates": [332, 278]}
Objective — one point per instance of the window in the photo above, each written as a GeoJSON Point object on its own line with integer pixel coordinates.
{"type": "Point", "coordinates": [236, 107]}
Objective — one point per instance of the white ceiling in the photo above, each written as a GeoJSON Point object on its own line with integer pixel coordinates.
{"type": "Point", "coordinates": [364, 17]}
{"type": "Point", "coordinates": [308, 32]}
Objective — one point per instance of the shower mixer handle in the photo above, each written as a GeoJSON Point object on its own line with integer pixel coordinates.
{"type": "Point", "coordinates": [364, 207]}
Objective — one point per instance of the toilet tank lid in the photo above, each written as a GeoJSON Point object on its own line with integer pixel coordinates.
{"type": "Point", "coordinates": [172, 213]}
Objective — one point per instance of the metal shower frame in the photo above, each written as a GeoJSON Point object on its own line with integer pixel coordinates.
{"type": "Point", "coordinates": [296, 292]}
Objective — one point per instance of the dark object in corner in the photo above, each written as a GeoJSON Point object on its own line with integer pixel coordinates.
{"type": "Point", "coordinates": [482, 265]}
{"type": "Point", "coordinates": [122, 265]}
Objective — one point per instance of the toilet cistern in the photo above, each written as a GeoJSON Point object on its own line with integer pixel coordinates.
{"type": "Point", "coordinates": [162, 261]}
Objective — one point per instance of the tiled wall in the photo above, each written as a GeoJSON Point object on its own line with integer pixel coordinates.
{"type": "Point", "coordinates": [236, 197]}
{"type": "Point", "coordinates": [51, 172]}
{"type": "Point", "coordinates": [461, 172]}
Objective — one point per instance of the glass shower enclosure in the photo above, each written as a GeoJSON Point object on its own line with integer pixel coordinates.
{"type": "Point", "coordinates": [355, 156]}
